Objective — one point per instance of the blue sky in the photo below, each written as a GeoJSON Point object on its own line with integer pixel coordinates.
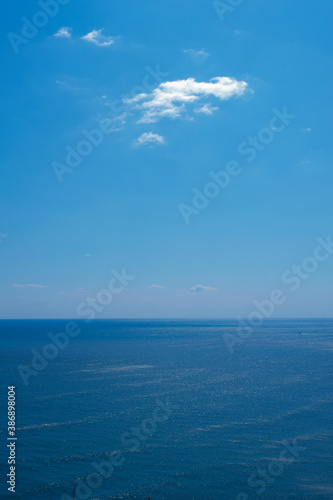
{"type": "Point", "coordinates": [179, 90]}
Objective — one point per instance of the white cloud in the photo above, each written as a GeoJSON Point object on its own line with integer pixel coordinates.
{"type": "Point", "coordinates": [206, 109]}
{"type": "Point", "coordinates": [30, 286]}
{"type": "Point", "coordinates": [98, 38]}
{"type": "Point", "coordinates": [64, 32]}
{"type": "Point", "coordinates": [201, 289]}
{"type": "Point", "coordinates": [87, 255]}
{"type": "Point", "coordinates": [198, 54]}
{"type": "Point", "coordinates": [306, 129]}
{"type": "Point", "coordinates": [148, 138]}
{"type": "Point", "coordinates": [157, 286]}
{"type": "Point", "coordinates": [170, 99]}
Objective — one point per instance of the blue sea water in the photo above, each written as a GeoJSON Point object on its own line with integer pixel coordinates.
{"type": "Point", "coordinates": [222, 417]}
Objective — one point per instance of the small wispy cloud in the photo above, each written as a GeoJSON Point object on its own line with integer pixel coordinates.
{"type": "Point", "coordinates": [306, 129]}
{"type": "Point", "coordinates": [96, 37]}
{"type": "Point", "coordinates": [149, 138]}
{"type": "Point", "coordinates": [64, 32]}
{"type": "Point", "coordinates": [73, 84]}
{"type": "Point", "coordinates": [171, 99]}
{"type": "Point", "coordinates": [157, 286]}
{"type": "Point", "coordinates": [202, 289]}
{"type": "Point", "coordinates": [206, 109]}
{"type": "Point", "coordinates": [87, 255]}
{"type": "Point", "coordinates": [196, 54]}
{"type": "Point", "coordinates": [30, 286]}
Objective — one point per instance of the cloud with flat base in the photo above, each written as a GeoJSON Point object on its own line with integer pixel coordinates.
{"type": "Point", "coordinates": [202, 289]}
{"type": "Point", "coordinates": [64, 32]}
{"type": "Point", "coordinates": [198, 289]}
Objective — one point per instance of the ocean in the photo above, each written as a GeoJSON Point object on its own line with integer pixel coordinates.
{"type": "Point", "coordinates": [128, 409]}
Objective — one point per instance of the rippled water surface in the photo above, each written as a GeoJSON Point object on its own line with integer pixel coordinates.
{"type": "Point", "coordinates": [179, 414]}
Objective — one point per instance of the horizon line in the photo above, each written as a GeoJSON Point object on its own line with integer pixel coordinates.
{"type": "Point", "coordinates": [166, 319]}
